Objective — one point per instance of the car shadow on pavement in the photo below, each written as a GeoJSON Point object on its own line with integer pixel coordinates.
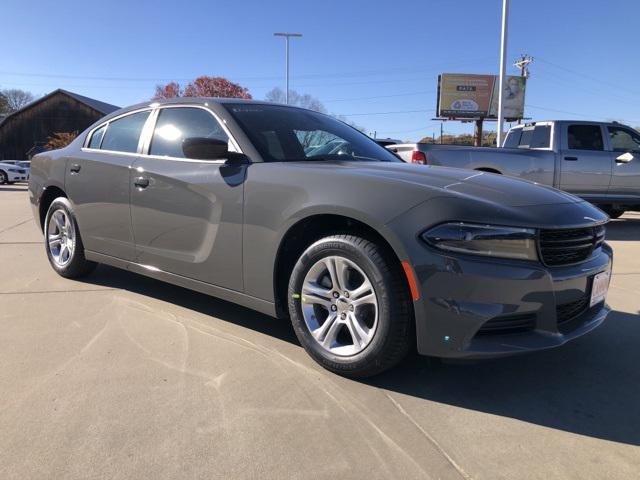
{"type": "Point", "coordinates": [12, 189]}
{"type": "Point", "coordinates": [624, 229]}
{"type": "Point", "coordinates": [111, 277]}
{"type": "Point", "coordinates": [589, 387]}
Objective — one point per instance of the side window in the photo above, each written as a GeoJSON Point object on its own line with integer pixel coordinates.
{"type": "Point", "coordinates": [541, 137]}
{"type": "Point", "coordinates": [525, 139]}
{"type": "Point", "coordinates": [122, 135]}
{"type": "Point", "coordinates": [96, 137]}
{"type": "Point", "coordinates": [513, 138]}
{"type": "Point", "coordinates": [623, 140]}
{"type": "Point", "coordinates": [584, 137]}
{"type": "Point", "coordinates": [176, 124]}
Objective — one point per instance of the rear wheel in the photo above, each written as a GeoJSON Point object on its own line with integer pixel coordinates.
{"type": "Point", "coordinates": [350, 306]}
{"type": "Point", "coordinates": [63, 242]}
{"type": "Point", "coordinates": [3, 177]}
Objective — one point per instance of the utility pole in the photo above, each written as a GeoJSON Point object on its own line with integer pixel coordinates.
{"type": "Point", "coordinates": [286, 60]}
{"type": "Point", "coordinates": [441, 132]}
{"type": "Point", "coordinates": [503, 67]}
{"type": "Point", "coordinates": [522, 64]}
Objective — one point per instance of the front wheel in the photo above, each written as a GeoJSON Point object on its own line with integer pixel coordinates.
{"type": "Point", "coordinates": [350, 306]}
{"type": "Point", "coordinates": [63, 242]}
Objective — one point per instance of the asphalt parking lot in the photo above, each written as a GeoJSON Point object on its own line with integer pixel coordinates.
{"type": "Point", "coordinates": [120, 376]}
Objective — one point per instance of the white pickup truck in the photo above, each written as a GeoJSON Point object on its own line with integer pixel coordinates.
{"type": "Point", "coordinates": [597, 161]}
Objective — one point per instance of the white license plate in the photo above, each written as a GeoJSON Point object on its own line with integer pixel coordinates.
{"type": "Point", "coordinates": [599, 287]}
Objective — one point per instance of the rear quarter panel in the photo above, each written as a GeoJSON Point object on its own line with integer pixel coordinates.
{"type": "Point", "coordinates": [47, 170]}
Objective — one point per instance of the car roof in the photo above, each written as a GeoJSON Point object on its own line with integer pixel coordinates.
{"type": "Point", "coordinates": [578, 122]}
{"type": "Point", "coordinates": [194, 101]}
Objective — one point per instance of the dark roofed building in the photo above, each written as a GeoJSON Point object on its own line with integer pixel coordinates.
{"type": "Point", "coordinates": [25, 132]}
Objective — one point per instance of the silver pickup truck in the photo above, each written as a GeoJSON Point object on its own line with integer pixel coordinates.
{"type": "Point", "coordinates": [597, 161]}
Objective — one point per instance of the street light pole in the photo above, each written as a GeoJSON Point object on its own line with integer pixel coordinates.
{"type": "Point", "coordinates": [286, 60]}
{"type": "Point", "coordinates": [503, 67]}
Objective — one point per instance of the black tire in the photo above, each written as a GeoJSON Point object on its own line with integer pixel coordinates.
{"type": "Point", "coordinates": [613, 212]}
{"type": "Point", "coordinates": [3, 177]}
{"type": "Point", "coordinates": [77, 266]}
{"type": "Point", "coordinates": [394, 335]}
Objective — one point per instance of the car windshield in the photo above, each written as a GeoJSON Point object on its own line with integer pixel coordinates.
{"type": "Point", "coordinates": [286, 134]}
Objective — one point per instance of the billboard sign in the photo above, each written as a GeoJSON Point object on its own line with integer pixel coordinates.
{"type": "Point", "coordinates": [476, 96]}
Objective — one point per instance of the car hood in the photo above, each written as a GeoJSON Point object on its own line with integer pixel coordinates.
{"type": "Point", "coordinates": [470, 184]}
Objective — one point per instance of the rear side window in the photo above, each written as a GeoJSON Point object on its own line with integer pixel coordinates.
{"type": "Point", "coordinates": [584, 137]}
{"type": "Point", "coordinates": [122, 135]}
{"type": "Point", "coordinates": [176, 124]}
{"type": "Point", "coordinates": [513, 138]}
{"type": "Point", "coordinates": [529, 137]}
{"type": "Point", "coordinates": [96, 137]}
{"type": "Point", "coordinates": [541, 137]}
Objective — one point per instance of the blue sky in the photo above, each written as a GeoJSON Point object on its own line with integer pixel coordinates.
{"type": "Point", "coordinates": [374, 62]}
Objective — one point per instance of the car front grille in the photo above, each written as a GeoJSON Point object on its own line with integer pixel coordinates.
{"type": "Point", "coordinates": [566, 246]}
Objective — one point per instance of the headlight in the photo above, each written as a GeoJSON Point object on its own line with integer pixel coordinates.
{"type": "Point", "coordinates": [486, 240]}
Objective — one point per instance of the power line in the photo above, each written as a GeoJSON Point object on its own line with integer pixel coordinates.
{"type": "Point", "coordinates": [408, 94]}
{"type": "Point", "coordinates": [626, 120]}
{"type": "Point", "coordinates": [587, 76]}
{"type": "Point", "coordinates": [386, 113]}
{"type": "Point", "coordinates": [359, 73]}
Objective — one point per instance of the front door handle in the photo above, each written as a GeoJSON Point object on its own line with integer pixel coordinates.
{"type": "Point", "coordinates": [571, 159]}
{"type": "Point", "coordinates": [141, 182]}
{"type": "Point", "coordinates": [75, 168]}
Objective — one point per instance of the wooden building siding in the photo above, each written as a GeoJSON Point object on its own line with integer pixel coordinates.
{"type": "Point", "coordinates": [31, 126]}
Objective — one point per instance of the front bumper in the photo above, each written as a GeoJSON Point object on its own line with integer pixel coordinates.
{"type": "Point", "coordinates": [474, 307]}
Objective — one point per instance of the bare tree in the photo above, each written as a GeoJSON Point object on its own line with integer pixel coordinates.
{"type": "Point", "coordinates": [4, 105]}
{"type": "Point", "coordinates": [305, 101]}
{"type": "Point", "coordinates": [312, 138]}
{"type": "Point", "coordinates": [16, 98]}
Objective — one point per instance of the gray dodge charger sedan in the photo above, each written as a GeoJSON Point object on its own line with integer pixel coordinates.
{"type": "Point", "coordinates": [367, 255]}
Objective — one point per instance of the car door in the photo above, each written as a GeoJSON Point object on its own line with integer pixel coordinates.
{"type": "Point", "coordinates": [624, 144]}
{"type": "Point", "coordinates": [98, 182]}
{"type": "Point", "coordinates": [585, 164]}
{"type": "Point", "coordinates": [187, 213]}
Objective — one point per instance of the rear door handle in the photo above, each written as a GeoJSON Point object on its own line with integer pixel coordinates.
{"type": "Point", "coordinates": [141, 182]}
{"type": "Point", "coordinates": [75, 168]}
{"type": "Point", "coordinates": [571, 159]}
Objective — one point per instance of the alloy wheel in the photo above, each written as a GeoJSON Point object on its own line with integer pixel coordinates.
{"type": "Point", "coordinates": [61, 236]}
{"type": "Point", "coordinates": [339, 306]}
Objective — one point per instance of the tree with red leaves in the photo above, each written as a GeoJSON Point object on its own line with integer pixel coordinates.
{"type": "Point", "coordinates": [203, 86]}
{"type": "Point", "coordinates": [170, 90]}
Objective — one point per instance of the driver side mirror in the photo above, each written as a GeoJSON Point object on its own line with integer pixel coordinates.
{"type": "Point", "coordinates": [204, 148]}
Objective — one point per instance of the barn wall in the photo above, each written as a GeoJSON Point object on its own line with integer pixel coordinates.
{"type": "Point", "coordinates": [58, 113]}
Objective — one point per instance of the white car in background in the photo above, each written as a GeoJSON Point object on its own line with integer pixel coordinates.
{"type": "Point", "coordinates": [12, 171]}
